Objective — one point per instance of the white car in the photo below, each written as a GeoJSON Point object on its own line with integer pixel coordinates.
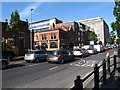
{"type": "Point", "coordinates": [35, 56]}
{"type": "Point", "coordinates": [80, 52]}
{"type": "Point", "coordinates": [92, 50]}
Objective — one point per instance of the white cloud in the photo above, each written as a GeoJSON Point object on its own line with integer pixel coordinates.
{"type": "Point", "coordinates": [25, 13]}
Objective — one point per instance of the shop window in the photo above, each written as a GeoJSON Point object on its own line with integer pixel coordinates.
{"type": "Point", "coordinates": [53, 45]}
{"type": "Point", "coordinates": [44, 45]}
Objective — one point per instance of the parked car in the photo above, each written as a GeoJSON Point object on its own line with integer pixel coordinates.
{"type": "Point", "coordinates": [106, 47]}
{"type": "Point", "coordinates": [60, 56]}
{"type": "Point", "coordinates": [35, 55]}
{"type": "Point", "coordinates": [92, 50]}
{"type": "Point", "coordinates": [4, 62]}
{"type": "Point", "coordinates": [80, 52]}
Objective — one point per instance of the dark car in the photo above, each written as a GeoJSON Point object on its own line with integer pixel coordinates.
{"type": "Point", "coordinates": [4, 62]}
{"type": "Point", "coordinates": [60, 56]}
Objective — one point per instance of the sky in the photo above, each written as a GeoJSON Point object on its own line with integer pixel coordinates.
{"type": "Point", "coordinates": [65, 11]}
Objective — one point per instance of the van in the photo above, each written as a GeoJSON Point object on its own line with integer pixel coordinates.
{"type": "Point", "coordinates": [99, 48]}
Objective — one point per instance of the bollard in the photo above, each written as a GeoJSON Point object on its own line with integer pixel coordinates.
{"type": "Point", "coordinates": [78, 84]}
{"type": "Point", "coordinates": [96, 77]}
{"type": "Point", "coordinates": [114, 58]}
{"type": "Point", "coordinates": [108, 62]}
{"type": "Point", "coordinates": [119, 52]}
{"type": "Point", "coordinates": [104, 71]}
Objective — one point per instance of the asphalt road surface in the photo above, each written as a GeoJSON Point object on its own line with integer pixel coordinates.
{"type": "Point", "coordinates": [47, 75]}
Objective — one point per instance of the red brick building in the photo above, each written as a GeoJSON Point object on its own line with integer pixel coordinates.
{"type": "Point", "coordinates": [59, 36]}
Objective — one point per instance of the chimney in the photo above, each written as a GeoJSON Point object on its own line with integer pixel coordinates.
{"type": "Point", "coordinates": [26, 20]}
{"type": "Point", "coordinates": [6, 21]}
{"type": "Point", "coordinates": [53, 26]}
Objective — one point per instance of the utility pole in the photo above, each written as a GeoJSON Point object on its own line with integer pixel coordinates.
{"type": "Point", "coordinates": [31, 30]}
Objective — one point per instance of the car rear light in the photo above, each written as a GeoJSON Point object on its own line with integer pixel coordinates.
{"type": "Point", "coordinates": [81, 52]}
{"type": "Point", "coordinates": [34, 52]}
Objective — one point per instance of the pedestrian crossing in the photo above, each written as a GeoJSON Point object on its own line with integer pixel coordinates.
{"type": "Point", "coordinates": [87, 63]}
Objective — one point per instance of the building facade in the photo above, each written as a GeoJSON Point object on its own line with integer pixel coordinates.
{"type": "Point", "coordinates": [44, 25]}
{"type": "Point", "coordinates": [60, 35]}
{"type": "Point", "coordinates": [19, 41]}
{"type": "Point", "coordinates": [100, 27]}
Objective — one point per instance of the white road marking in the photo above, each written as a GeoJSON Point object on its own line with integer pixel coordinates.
{"type": "Point", "coordinates": [33, 64]}
{"type": "Point", "coordinates": [53, 68]}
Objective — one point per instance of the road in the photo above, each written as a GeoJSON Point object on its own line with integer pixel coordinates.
{"type": "Point", "coordinates": [48, 75]}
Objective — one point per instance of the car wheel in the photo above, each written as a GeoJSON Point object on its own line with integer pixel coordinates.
{"type": "Point", "coordinates": [27, 61]}
{"type": "Point", "coordinates": [49, 62]}
{"type": "Point", "coordinates": [4, 65]}
{"type": "Point", "coordinates": [62, 61]}
{"type": "Point", "coordinates": [73, 59]}
{"type": "Point", "coordinates": [37, 60]}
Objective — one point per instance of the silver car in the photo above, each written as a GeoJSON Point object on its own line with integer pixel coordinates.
{"type": "Point", "coordinates": [35, 56]}
{"type": "Point", "coordinates": [61, 56]}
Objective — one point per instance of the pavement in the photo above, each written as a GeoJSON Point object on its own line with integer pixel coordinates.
{"type": "Point", "coordinates": [112, 82]}
{"type": "Point", "coordinates": [19, 59]}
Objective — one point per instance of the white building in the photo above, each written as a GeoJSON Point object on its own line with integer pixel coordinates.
{"type": "Point", "coordinates": [44, 24]}
{"type": "Point", "coordinates": [100, 27]}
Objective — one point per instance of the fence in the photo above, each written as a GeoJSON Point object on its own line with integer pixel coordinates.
{"type": "Point", "coordinates": [106, 67]}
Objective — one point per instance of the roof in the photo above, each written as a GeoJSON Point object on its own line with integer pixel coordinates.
{"type": "Point", "coordinates": [44, 20]}
{"type": "Point", "coordinates": [89, 19]}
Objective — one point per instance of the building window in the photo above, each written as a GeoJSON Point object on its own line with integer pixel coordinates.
{"type": "Point", "coordinates": [53, 36]}
{"type": "Point", "coordinates": [44, 37]}
{"type": "Point", "coordinates": [53, 45]}
{"type": "Point", "coordinates": [36, 37]}
{"type": "Point", "coordinates": [44, 45]}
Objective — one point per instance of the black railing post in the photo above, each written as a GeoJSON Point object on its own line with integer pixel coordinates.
{"type": "Point", "coordinates": [104, 71]}
{"type": "Point", "coordinates": [114, 58]}
{"type": "Point", "coordinates": [96, 77]}
{"type": "Point", "coordinates": [108, 65]}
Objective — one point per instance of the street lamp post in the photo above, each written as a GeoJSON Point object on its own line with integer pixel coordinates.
{"type": "Point", "coordinates": [31, 30]}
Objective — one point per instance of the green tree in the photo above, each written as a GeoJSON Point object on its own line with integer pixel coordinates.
{"type": "Point", "coordinates": [116, 12]}
{"type": "Point", "coordinates": [118, 40]}
{"type": "Point", "coordinates": [113, 36]}
{"type": "Point", "coordinates": [15, 21]}
{"type": "Point", "coordinates": [92, 37]}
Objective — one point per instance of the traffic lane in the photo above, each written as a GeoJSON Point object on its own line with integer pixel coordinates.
{"type": "Point", "coordinates": [40, 75]}
{"type": "Point", "coordinates": [99, 56]}
{"type": "Point", "coordinates": [17, 76]}
{"type": "Point", "coordinates": [61, 77]}
{"type": "Point", "coordinates": [33, 73]}
{"type": "Point", "coordinates": [22, 76]}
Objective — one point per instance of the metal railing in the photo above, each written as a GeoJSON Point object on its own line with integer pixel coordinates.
{"type": "Point", "coordinates": [105, 67]}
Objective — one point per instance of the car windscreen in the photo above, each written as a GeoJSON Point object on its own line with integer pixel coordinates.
{"type": "Point", "coordinates": [55, 53]}
{"type": "Point", "coordinates": [29, 52]}
{"type": "Point", "coordinates": [77, 49]}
